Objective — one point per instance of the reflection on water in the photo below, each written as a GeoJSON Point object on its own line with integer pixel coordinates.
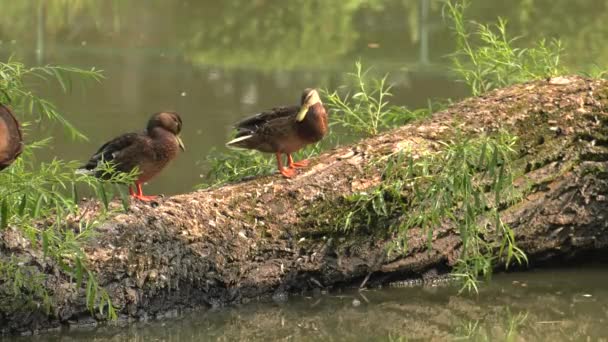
{"type": "Point", "coordinates": [216, 61]}
{"type": "Point", "coordinates": [554, 305]}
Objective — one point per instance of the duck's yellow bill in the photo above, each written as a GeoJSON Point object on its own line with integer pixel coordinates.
{"type": "Point", "coordinates": [302, 114]}
{"type": "Point", "coordinates": [180, 142]}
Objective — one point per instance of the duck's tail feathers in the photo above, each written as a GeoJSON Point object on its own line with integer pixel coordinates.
{"type": "Point", "coordinates": [234, 143]}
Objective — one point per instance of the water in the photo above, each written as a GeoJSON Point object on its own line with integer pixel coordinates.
{"type": "Point", "coordinates": [548, 305]}
{"type": "Point", "coordinates": [216, 62]}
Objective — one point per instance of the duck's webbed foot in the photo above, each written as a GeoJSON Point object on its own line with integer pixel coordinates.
{"type": "Point", "coordinates": [140, 195]}
{"type": "Point", "coordinates": [286, 172]}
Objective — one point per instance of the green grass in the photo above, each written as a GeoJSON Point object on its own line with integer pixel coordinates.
{"type": "Point", "coordinates": [38, 198]}
{"type": "Point", "coordinates": [487, 57]}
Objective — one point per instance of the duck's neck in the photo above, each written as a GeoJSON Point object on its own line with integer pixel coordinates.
{"type": "Point", "coordinates": [164, 143]}
{"type": "Point", "coordinates": [314, 125]}
{"type": "Point", "coordinates": [163, 137]}
{"type": "Point", "coordinates": [159, 133]}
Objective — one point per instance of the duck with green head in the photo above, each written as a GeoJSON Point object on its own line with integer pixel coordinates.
{"type": "Point", "coordinates": [284, 130]}
{"type": "Point", "coordinates": [149, 151]}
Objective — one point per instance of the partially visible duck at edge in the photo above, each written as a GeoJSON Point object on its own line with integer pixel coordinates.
{"type": "Point", "coordinates": [11, 139]}
{"type": "Point", "coordinates": [149, 151]}
{"type": "Point", "coordinates": [284, 130]}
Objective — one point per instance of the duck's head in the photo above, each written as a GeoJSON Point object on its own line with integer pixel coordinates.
{"type": "Point", "coordinates": [310, 97]}
{"type": "Point", "coordinates": [170, 121]}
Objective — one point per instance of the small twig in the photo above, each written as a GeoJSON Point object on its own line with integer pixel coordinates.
{"type": "Point", "coordinates": [316, 282]}
{"type": "Point", "coordinates": [365, 280]}
{"type": "Point", "coordinates": [550, 322]}
{"type": "Point", "coordinates": [363, 296]}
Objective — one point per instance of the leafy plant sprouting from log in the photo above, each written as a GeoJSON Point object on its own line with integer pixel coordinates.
{"type": "Point", "coordinates": [367, 111]}
{"type": "Point", "coordinates": [40, 199]}
{"type": "Point", "coordinates": [462, 187]}
{"type": "Point", "coordinates": [465, 184]}
{"type": "Point", "coordinates": [487, 58]}
{"type": "Point", "coordinates": [233, 166]}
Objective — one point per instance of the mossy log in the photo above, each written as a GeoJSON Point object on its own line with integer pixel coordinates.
{"type": "Point", "coordinates": [264, 237]}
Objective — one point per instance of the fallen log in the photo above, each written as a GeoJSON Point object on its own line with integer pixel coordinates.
{"type": "Point", "coordinates": [264, 238]}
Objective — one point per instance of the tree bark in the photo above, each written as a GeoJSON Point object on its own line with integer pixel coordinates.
{"type": "Point", "coordinates": [264, 237]}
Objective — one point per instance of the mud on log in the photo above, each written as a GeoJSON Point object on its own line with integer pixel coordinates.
{"type": "Point", "coordinates": [263, 237]}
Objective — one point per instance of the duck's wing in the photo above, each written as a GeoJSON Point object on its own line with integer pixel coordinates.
{"type": "Point", "coordinates": [251, 124]}
{"type": "Point", "coordinates": [115, 151]}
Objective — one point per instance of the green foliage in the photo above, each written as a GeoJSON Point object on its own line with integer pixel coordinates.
{"type": "Point", "coordinates": [487, 58]}
{"type": "Point", "coordinates": [22, 283]}
{"type": "Point", "coordinates": [226, 167]}
{"type": "Point", "coordinates": [463, 186]}
{"type": "Point", "coordinates": [13, 89]}
{"type": "Point", "coordinates": [40, 200]}
{"type": "Point", "coordinates": [237, 165]}
{"type": "Point", "coordinates": [367, 111]}
{"type": "Point", "coordinates": [596, 72]}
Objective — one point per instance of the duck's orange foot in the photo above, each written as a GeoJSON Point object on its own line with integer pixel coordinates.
{"type": "Point", "coordinates": [299, 165]}
{"type": "Point", "coordinates": [144, 198]}
{"type": "Point", "coordinates": [288, 173]}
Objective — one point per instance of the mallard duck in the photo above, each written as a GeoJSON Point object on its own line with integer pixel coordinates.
{"type": "Point", "coordinates": [11, 140]}
{"type": "Point", "coordinates": [150, 151]}
{"type": "Point", "coordinates": [284, 130]}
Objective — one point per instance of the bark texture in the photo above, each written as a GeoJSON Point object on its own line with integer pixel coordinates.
{"type": "Point", "coordinates": [265, 237]}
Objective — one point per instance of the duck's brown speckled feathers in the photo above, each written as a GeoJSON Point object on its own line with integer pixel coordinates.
{"type": "Point", "coordinates": [284, 129]}
{"type": "Point", "coordinates": [124, 152]}
{"type": "Point", "coordinates": [150, 151]}
{"type": "Point", "coordinates": [251, 124]}
{"type": "Point", "coordinates": [11, 139]}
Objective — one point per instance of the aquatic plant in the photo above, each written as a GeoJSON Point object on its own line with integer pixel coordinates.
{"type": "Point", "coordinates": [39, 200]}
{"type": "Point", "coordinates": [487, 58]}
{"type": "Point", "coordinates": [508, 328]}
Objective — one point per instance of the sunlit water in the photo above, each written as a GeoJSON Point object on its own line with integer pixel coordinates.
{"type": "Point", "coordinates": [548, 305]}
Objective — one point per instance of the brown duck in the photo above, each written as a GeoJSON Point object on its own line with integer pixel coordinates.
{"type": "Point", "coordinates": [150, 151]}
{"type": "Point", "coordinates": [284, 130]}
{"type": "Point", "coordinates": [11, 140]}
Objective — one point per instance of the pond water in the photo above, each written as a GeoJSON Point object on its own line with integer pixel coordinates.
{"type": "Point", "coordinates": [217, 61]}
{"type": "Point", "coordinates": [544, 305]}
